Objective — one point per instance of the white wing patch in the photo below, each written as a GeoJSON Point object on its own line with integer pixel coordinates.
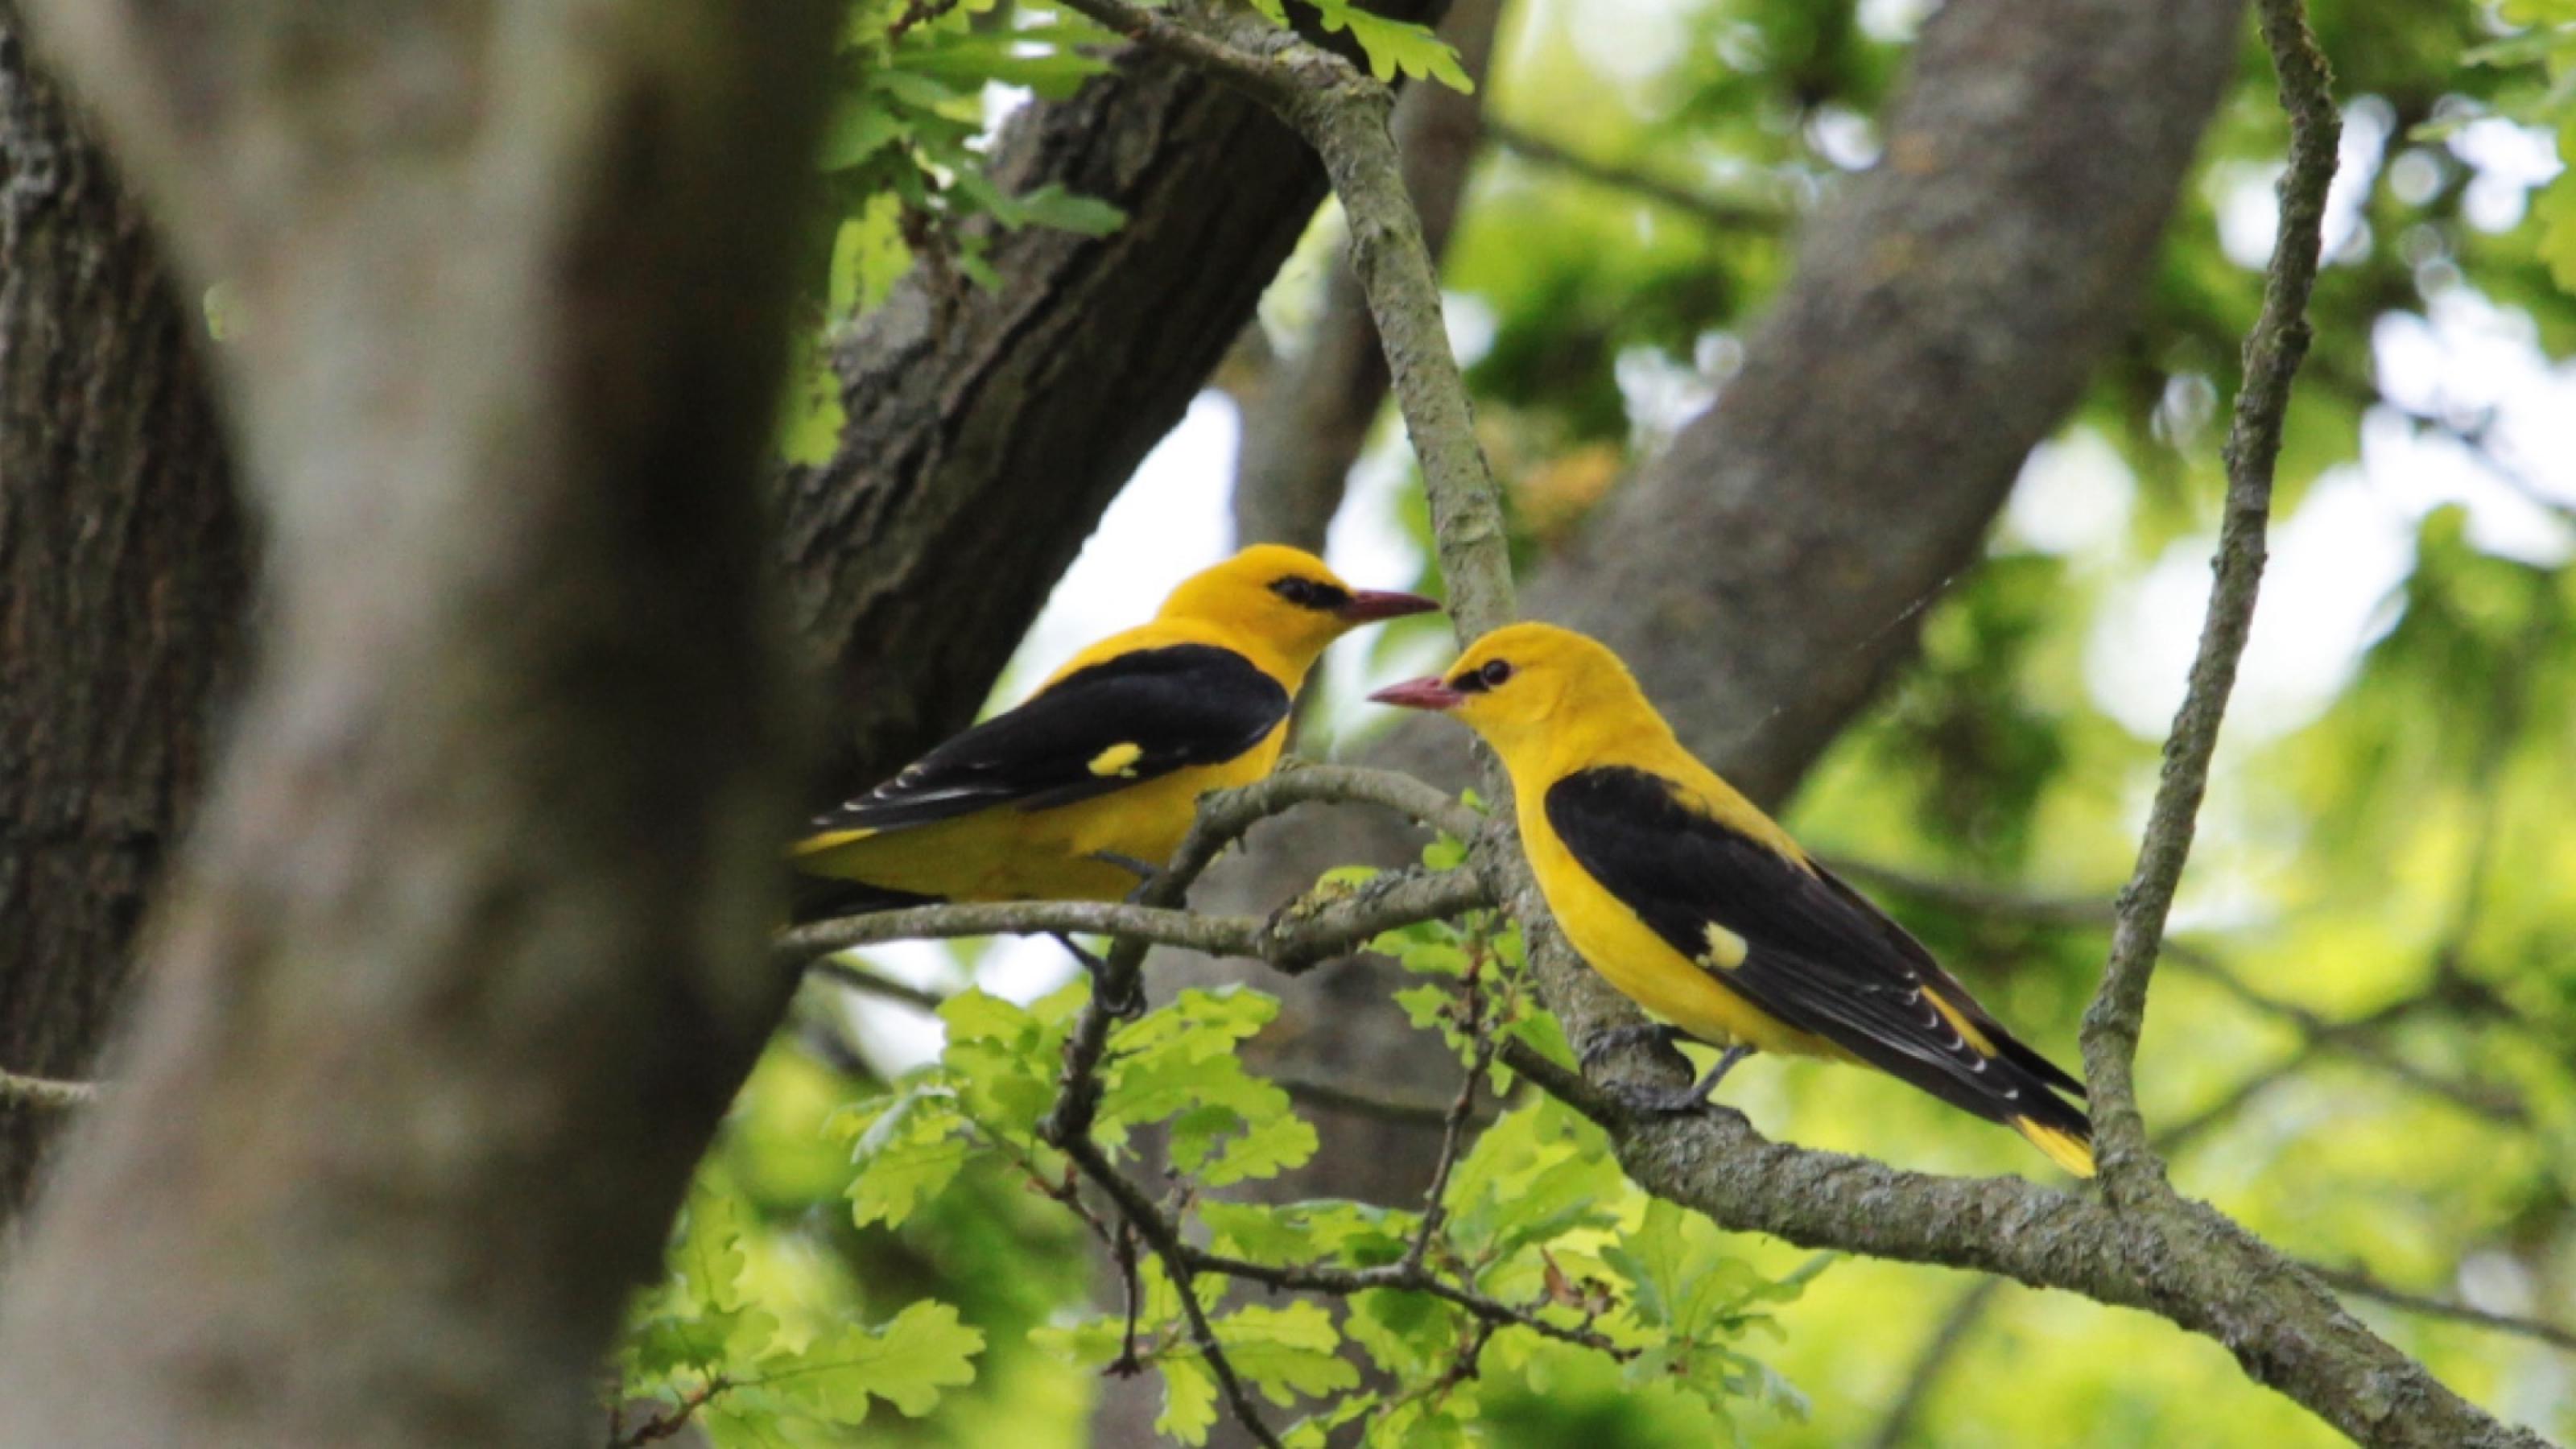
{"type": "Point", "coordinates": [1725, 949]}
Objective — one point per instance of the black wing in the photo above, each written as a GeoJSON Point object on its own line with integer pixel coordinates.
{"type": "Point", "coordinates": [1096, 730]}
{"type": "Point", "coordinates": [1818, 955]}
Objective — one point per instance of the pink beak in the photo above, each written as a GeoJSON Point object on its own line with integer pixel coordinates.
{"type": "Point", "coordinates": [1369, 605]}
{"type": "Point", "coordinates": [1427, 693]}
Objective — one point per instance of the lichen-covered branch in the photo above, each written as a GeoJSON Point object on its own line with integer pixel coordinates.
{"type": "Point", "coordinates": [1316, 927]}
{"type": "Point", "coordinates": [1307, 931]}
{"type": "Point", "coordinates": [2273, 350]}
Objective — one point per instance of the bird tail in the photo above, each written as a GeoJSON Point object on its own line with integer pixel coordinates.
{"type": "Point", "coordinates": [2064, 1134]}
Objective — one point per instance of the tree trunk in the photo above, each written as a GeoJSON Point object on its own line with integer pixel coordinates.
{"type": "Point", "coordinates": [122, 578]}
{"type": "Point", "coordinates": [462, 966]}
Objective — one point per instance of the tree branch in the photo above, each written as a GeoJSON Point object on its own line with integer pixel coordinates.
{"type": "Point", "coordinates": [2273, 351]}
{"type": "Point", "coordinates": [1314, 928]}
{"type": "Point", "coordinates": [1726, 215]}
{"type": "Point", "coordinates": [2363, 1038]}
{"type": "Point", "coordinates": [1165, 1238]}
{"type": "Point", "coordinates": [45, 1093]}
{"type": "Point", "coordinates": [1958, 1324]}
{"type": "Point", "coordinates": [1305, 932]}
{"type": "Point", "coordinates": [2361, 1283]}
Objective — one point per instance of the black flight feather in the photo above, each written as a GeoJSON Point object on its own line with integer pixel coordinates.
{"type": "Point", "coordinates": [1181, 705]}
{"type": "Point", "coordinates": [1818, 955]}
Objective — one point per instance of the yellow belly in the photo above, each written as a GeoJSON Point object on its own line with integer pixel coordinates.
{"type": "Point", "coordinates": [1010, 854]}
{"type": "Point", "coordinates": [1646, 969]}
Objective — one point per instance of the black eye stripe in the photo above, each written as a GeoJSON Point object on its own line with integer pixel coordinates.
{"type": "Point", "coordinates": [1494, 672]}
{"type": "Point", "coordinates": [1310, 593]}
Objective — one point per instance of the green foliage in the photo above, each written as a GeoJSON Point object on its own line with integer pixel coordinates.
{"type": "Point", "coordinates": [1392, 47]}
{"type": "Point", "coordinates": [2545, 44]}
{"type": "Point", "coordinates": [1536, 1220]}
{"type": "Point", "coordinates": [904, 169]}
{"type": "Point", "coordinates": [699, 1343]}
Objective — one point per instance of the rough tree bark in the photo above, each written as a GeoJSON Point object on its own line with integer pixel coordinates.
{"type": "Point", "coordinates": [122, 578]}
{"type": "Point", "coordinates": [458, 975]}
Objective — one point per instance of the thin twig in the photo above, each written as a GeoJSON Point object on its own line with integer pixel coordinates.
{"type": "Point", "coordinates": [868, 983]}
{"type": "Point", "coordinates": [2362, 1284]}
{"type": "Point", "coordinates": [2273, 351]}
{"type": "Point", "coordinates": [1729, 214]}
{"type": "Point", "coordinates": [1123, 1250]}
{"type": "Point", "coordinates": [46, 1094]}
{"type": "Point", "coordinates": [1165, 1239]}
{"type": "Point", "coordinates": [1939, 1352]}
{"type": "Point", "coordinates": [1334, 1097]}
{"type": "Point", "coordinates": [1340, 1281]}
{"type": "Point", "coordinates": [1435, 1206]}
{"type": "Point", "coordinates": [668, 1422]}
{"type": "Point", "coordinates": [2364, 1038]}
{"type": "Point", "coordinates": [1315, 928]}
{"type": "Point", "coordinates": [1223, 818]}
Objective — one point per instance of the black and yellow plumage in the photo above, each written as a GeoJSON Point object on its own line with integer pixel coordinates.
{"type": "Point", "coordinates": [1100, 769]}
{"type": "Point", "coordinates": [1701, 909]}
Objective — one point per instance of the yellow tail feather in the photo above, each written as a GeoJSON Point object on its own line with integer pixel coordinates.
{"type": "Point", "coordinates": [828, 840]}
{"type": "Point", "coordinates": [2063, 1148]}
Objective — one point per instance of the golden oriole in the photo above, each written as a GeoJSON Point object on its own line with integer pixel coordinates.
{"type": "Point", "coordinates": [1075, 793]}
{"type": "Point", "coordinates": [1703, 911]}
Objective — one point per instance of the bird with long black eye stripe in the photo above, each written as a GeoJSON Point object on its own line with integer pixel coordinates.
{"type": "Point", "coordinates": [1702, 910]}
{"type": "Point", "coordinates": [1090, 783]}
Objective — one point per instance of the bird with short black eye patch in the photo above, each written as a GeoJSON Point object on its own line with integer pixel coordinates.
{"type": "Point", "coordinates": [1095, 778]}
{"type": "Point", "coordinates": [1702, 910]}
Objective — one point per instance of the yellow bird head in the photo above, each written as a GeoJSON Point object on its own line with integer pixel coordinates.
{"type": "Point", "coordinates": [1530, 689]}
{"type": "Point", "coordinates": [1284, 598]}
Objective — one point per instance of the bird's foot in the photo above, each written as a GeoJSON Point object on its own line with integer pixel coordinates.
{"type": "Point", "coordinates": [1726, 1061]}
{"type": "Point", "coordinates": [1145, 871]}
{"type": "Point", "coordinates": [1672, 1102]}
{"type": "Point", "coordinates": [1619, 1038]}
{"type": "Point", "coordinates": [1125, 1003]}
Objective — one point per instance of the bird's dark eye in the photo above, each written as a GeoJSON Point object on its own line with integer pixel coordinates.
{"type": "Point", "coordinates": [1309, 594]}
{"type": "Point", "coordinates": [1494, 673]}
